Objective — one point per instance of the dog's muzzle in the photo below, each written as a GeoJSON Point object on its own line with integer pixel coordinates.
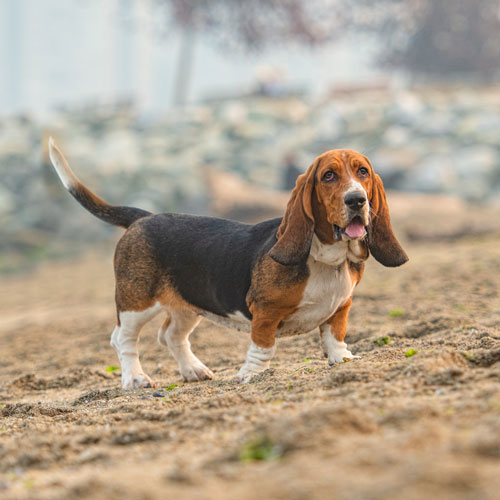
{"type": "Point", "coordinates": [356, 228]}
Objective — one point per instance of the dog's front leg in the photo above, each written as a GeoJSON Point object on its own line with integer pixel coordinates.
{"type": "Point", "coordinates": [262, 348]}
{"type": "Point", "coordinates": [332, 334]}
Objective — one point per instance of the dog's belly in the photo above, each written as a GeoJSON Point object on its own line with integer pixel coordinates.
{"type": "Point", "coordinates": [327, 289]}
{"type": "Point", "coordinates": [237, 320]}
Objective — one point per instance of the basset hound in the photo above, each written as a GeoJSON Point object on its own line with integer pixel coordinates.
{"type": "Point", "coordinates": [280, 277]}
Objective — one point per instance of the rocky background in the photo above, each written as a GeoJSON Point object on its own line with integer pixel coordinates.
{"type": "Point", "coordinates": [434, 141]}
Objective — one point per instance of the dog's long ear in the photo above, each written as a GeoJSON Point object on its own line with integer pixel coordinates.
{"type": "Point", "coordinates": [296, 230]}
{"type": "Point", "coordinates": [381, 240]}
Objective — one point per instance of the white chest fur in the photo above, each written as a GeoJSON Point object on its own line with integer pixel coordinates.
{"type": "Point", "coordinates": [329, 286]}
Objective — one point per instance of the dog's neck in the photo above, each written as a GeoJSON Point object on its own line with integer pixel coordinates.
{"type": "Point", "coordinates": [335, 254]}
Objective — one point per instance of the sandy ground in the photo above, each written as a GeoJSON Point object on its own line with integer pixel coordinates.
{"type": "Point", "coordinates": [384, 426]}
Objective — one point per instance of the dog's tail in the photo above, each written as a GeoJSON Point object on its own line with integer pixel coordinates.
{"type": "Point", "coordinates": [118, 216]}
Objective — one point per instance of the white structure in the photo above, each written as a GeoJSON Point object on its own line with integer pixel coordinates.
{"type": "Point", "coordinates": [69, 52]}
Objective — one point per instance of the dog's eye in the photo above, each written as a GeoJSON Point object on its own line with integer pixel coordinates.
{"type": "Point", "coordinates": [363, 172]}
{"type": "Point", "coordinates": [329, 176]}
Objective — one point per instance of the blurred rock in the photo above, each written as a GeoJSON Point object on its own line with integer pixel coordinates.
{"type": "Point", "coordinates": [233, 198]}
{"type": "Point", "coordinates": [7, 202]}
{"type": "Point", "coordinates": [204, 159]}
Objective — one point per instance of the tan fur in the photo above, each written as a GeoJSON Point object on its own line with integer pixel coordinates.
{"type": "Point", "coordinates": [140, 280]}
{"type": "Point", "coordinates": [382, 242]}
{"type": "Point", "coordinates": [338, 322]}
{"type": "Point", "coordinates": [356, 270]}
{"type": "Point", "coordinates": [166, 323]}
{"type": "Point", "coordinates": [296, 230]}
{"type": "Point", "coordinates": [275, 293]}
{"type": "Point", "coordinates": [323, 229]}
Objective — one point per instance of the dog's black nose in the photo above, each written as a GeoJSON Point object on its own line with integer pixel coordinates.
{"type": "Point", "coordinates": [355, 200]}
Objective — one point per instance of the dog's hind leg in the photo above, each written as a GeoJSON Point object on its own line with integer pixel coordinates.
{"type": "Point", "coordinates": [174, 333]}
{"type": "Point", "coordinates": [125, 338]}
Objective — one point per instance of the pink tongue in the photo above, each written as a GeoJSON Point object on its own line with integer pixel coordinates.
{"type": "Point", "coordinates": [355, 230]}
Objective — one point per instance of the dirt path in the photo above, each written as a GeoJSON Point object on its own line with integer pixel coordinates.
{"type": "Point", "coordinates": [384, 426]}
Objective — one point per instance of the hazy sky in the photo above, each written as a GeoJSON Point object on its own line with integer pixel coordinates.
{"type": "Point", "coordinates": [55, 52]}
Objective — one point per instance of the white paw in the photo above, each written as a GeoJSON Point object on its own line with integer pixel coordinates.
{"type": "Point", "coordinates": [245, 374]}
{"type": "Point", "coordinates": [335, 351]}
{"type": "Point", "coordinates": [340, 356]}
{"type": "Point", "coordinates": [196, 371]}
{"type": "Point", "coordinates": [136, 381]}
{"type": "Point", "coordinates": [258, 360]}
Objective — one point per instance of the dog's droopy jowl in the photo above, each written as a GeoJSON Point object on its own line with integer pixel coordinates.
{"type": "Point", "coordinates": [280, 277]}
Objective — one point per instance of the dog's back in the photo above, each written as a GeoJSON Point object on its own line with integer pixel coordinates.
{"type": "Point", "coordinates": [208, 261]}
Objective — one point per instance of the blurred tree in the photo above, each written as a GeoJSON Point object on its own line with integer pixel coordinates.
{"type": "Point", "coordinates": [254, 24]}
{"type": "Point", "coordinates": [434, 38]}
{"type": "Point", "coordinates": [249, 24]}
{"type": "Point", "coordinates": [431, 38]}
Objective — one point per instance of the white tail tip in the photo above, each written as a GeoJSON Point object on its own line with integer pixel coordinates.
{"type": "Point", "coordinates": [68, 178]}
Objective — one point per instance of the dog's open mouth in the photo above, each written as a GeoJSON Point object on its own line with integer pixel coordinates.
{"type": "Point", "coordinates": [355, 229]}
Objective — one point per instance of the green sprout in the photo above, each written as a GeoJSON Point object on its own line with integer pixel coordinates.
{"type": "Point", "coordinates": [469, 356]}
{"type": "Point", "coordinates": [395, 313]}
{"type": "Point", "coordinates": [170, 387]}
{"type": "Point", "coordinates": [260, 448]}
{"type": "Point", "coordinates": [111, 369]}
{"type": "Point", "coordinates": [382, 340]}
{"type": "Point", "coordinates": [29, 483]}
{"type": "Point", "coordinates": [410, 352]}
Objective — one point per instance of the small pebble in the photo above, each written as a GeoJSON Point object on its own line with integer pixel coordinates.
{"type": "Point", "coordinates": [158, 395]}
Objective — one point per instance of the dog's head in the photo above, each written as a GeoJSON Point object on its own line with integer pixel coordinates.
{"type": "Point", "coordinates": [339, 197]}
